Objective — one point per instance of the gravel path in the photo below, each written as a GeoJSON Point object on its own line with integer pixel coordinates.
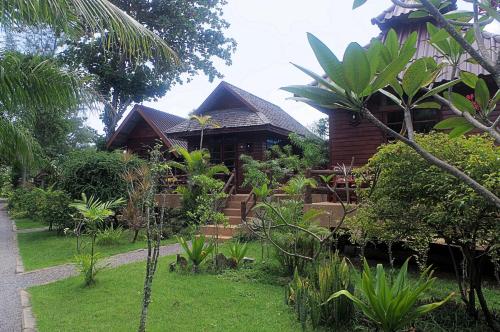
{"type": "Point", "coordinates": [11, 283]}
{"type": "Point", "coordinates": [10, 303]}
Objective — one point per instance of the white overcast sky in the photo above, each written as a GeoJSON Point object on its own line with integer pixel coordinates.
{"type": "Point", "coordinates": [270, 35]}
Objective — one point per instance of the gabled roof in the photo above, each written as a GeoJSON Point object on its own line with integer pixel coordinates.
{"type": "Point", "coordinates": [251, 112]}
{"type": "Point", "coordinates": [397, 14]}
{"type": "Point", "coordinates": [159, 121]}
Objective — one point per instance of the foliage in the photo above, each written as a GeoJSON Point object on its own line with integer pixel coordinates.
{"type": "Point", "coordinates": [138, 184]}
{"type": "Point", "coordinates": [237, 251]}
{"type": "Point", "coordinates": [421, 203]}
{"type": "Point", "coordinates": [208, 201]}
{"type": "Point", "coordinates": [96, 173]}
{"type": "Point", "coordinates": [46, 205]}
{"type": "Point", "coordinates": [6, 187]}
{"type": "Point", "coordinates": [109, 236]}
{"type": "Point", "coordinates": [321, 128]}
{"type": "Point", "coordinates": [198, 251]}
{"type": "Point", "coordinates": [277, 165]}
{"type": "Point", "coordinates": [309, 295]}
{"type": "Point", "coordinates": [314, 150]}
{"type": "Point", "coordinates": [392, 307]}
{"type": "Point", "coordinates": [200, 184]}
{"type": "Point", "coordinates": [194, 29]}
{"type": "Point", "coordinates": [94, 212]}
{"type": "Point", "coordinates": [88, 264]}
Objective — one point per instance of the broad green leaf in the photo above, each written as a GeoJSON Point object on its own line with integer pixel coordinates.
{"type": "Point", "coordinates": [330, 85]}
{"type": "Point", "coordinates": [438, 89]}
{"type": "Point", "coordinates": [460, 16]}
{"type": "Point", "coordinates": [390, 73]}
{"type": "Point", "coordinates": [358, 3]}
{"type": "Point", "coordinates": [392, 43]}
{"type": "Point", "coordinates": [318, 95]}
{"type": "Point", "coordinates": [427, 105]}
{"type": "Point", "coordinates": [328, 61]}
{"type": "Point", "coordinates": [357, 71]}
{"type": "Point", "coordinates": [482, 94]}
{"type": "Point", "coordinates": [418, 14]}
{"type": "Point", "coordinates": [373, 55]}
{"type": "Point", "coordinates": [468, 78]}
{"type": "Point", "coordinates": [414, 77]}
{"type": "Point", "coordinates": [492, 12]}
{"type": "Point", "coordinates": [392, 97]}
{"type": "Point", "coordinates": [461, 130]}
{"type": "Point", "coordinates": [452, 122]}
{"type": "Point", "coordinates": [460, 102]}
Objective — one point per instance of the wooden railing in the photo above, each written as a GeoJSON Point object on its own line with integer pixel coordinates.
{"type": "Point", "coordinates": [342, 184]}
{"type": "Point", "coordinates": [228, 189]}
{"type": "Point", "coordinates": [247, 205]}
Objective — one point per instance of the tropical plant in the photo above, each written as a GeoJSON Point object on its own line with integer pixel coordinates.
{"type": "Point", "coordinates": [420, 203]}
{"type": "Point", "coordinates": [204, 121]}
{"type": "Point", "coordinates": [196, 162]}
{"type": "Point", "coordinates": [391, 306]}
{"type": "Point", "coordinates": [198, 252]}
{"type": "Point", "coordinates": [309, 295]}
{"type": "Point", "coordinates": [376, 68]}
{"type": "Point", "coordinates": [94, 213]}
{"type": "Point", "coordinates": [89, 266]}
{"type": "Point", "coordinates": [237, 251]}
{"type": "Point", "coordinates": [109, 236]}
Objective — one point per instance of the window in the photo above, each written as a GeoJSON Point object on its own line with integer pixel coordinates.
{"type": "Point", "coordinates": [270, 142]}
{"type": "Point", "coordinates": [423, 120]}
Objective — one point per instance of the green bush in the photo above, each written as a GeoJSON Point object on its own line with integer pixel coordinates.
{"type": "Point", "coordinates": [46, 205]}
{"type": "Point", "coordinates": [96, 173]}
{"type": "Point", "coordinates": [109, 236]}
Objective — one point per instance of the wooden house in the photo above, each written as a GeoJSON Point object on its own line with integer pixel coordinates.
{"type": "Point", "coordinates": [242, 124]}
{"type": "Point", "coordinates": [356, 139]}
{"type": "Point", "coordinates": [143, 128]}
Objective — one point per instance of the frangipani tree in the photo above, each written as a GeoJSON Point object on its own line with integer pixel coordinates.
{"type": "Point", "coordinates": [387, 68]}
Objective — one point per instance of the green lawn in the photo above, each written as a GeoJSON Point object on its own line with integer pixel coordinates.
{"type": "Point", "coordinates": [181, 302]}
{"type": "Point", "coordinates": [43, 249]}
{"type": "Point", "coordinates": [27, 223]}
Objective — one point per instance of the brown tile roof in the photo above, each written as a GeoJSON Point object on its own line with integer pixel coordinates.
{"type": "Point", "coordinates": [255, 111]}
{"type": "Point", "coordinates": [158, 120]}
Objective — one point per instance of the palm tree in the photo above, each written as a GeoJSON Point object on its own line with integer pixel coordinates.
{"type": "Point", "coordinates": [197, 162]}
{"type": "Point", "coordinates": [30, 83]}
{"type": "Point", "coordinates": [204, 121]}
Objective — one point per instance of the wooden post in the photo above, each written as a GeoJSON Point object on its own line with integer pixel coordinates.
{"type": "Point", "coordinates": [308, 194]}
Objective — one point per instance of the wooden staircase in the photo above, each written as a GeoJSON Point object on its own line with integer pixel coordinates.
{"type": "Point", "coordinates": [232, 211]}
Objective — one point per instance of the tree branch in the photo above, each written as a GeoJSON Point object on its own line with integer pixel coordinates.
{"type": "Point", "coordinates": [485, 63]}
{"type": "Point", "coordinates": [477, 187]}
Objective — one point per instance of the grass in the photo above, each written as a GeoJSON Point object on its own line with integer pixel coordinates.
{"type": "Point", "coordinates": [44, 249]}
{"type": "Point", "coordinates": [28, 223]}
{"type": "Point", "coordinates": [248, 299]}
{"type": "Point", "coordinates": [181, 302]}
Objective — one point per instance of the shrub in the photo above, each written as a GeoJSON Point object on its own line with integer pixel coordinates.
{"type": "Point", "coordinates": [198, 251]}
{"type": "Point", "coordinates": [419, 202]}
{"type": "Point", "coordinates": [308, 295]}
{"type": "Point", "coordinates": [237, 251]}
{"type": "Point", "coordinates": [391, 307]}
{"type": "Point", "coordinates": [53, 208]}
{"type": "Point", "coordinates": [109, 236]}
{"type": "Point", "coordinates": [23, 202]}
{"type": "Point", "coordinates": [96, 173]}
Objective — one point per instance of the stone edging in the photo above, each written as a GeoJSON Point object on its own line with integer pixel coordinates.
{"type": "Point", "coordinates": [19, 261]}
{"type": "Point", "coordinates": [28, 321]}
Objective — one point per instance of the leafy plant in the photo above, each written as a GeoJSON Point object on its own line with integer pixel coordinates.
{"type": "Point", "coordinates": [89, 266]}
{"type": "Point", "coordinates": [237, 251]}
{"type": "Point", "coordinates": [391, 307]}
{"type": "Point", "coordinates": [308, 295]}
{"type": "Point", "coordinates": [109, 236]}
{"type": "Point", "coordinates": [94, 213]}
{"type": "Point", "coordinates": [198, 252]}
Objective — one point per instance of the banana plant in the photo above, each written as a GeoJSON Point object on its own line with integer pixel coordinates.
{"type": "Point", "coordinates": [392, 307]}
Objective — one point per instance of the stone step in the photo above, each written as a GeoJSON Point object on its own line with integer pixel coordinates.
{"type": "Point", "coordinates": [232, 212]}
{"type": "Point", "coordinates": [234, 220]}
{"type": "Point", "coordinates": [229, 230]}
{"type": "Point", "coordinates": [238, 197]}
{"type": "Point", "coordinates": [233, 205]}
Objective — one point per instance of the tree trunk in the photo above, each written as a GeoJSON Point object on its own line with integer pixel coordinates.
{"type": "Point", "coordinates": [136, 234]}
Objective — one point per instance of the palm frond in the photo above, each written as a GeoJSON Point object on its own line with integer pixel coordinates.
{"type": "Point", "coordinates": [91, 17]}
